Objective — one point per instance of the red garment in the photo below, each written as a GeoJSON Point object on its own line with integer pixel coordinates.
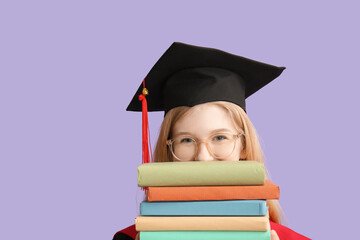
{"type": "Point", "coordinates": [283, 232]}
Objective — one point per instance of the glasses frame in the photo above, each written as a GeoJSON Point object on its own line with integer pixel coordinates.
{"type": "Point", "coordinates": [170, 142]}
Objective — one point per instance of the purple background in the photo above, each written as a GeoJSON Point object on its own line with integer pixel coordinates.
{"type": "Point", "coordinates": [69, 150]}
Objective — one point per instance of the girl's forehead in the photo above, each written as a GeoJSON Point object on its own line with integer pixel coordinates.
{"type": "Point", "coordinates": [203, 119]}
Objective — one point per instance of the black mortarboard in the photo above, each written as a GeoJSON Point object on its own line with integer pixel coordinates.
{"type": "Point", "coordinates": [187, 75]}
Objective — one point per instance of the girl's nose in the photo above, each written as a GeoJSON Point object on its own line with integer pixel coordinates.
{"type": "Point", "coordinates": [203, 153]}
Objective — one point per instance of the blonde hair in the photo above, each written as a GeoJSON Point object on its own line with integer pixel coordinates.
{"type": "Point", "coordinates": [252, 149]}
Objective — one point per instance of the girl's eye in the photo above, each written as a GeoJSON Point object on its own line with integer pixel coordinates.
{"type": "Point", "coordinates": [219, 138]}
{"type": "Point", "coordinates": [186, 140]}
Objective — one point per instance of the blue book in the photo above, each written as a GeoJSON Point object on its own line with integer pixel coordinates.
{"type": "Point", "coordinates": [205, 208]}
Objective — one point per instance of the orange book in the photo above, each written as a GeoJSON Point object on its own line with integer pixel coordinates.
{"type": "Point", "coordinates": [267, 191]}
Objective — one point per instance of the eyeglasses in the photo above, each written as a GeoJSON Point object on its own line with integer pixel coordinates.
{"type": "Point", "coordinates": [219, 145]}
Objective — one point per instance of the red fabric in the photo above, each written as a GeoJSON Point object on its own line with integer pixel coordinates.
{"type": "Point", "coordinates": [130, 231]}
{"type": "Point", "coordinates": [283, 232]}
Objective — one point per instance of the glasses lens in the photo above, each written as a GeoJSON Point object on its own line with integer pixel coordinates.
{"type": "Point", "coordinates": [184, 148]}
{"type": "Point", "coordinates": [222, 145]}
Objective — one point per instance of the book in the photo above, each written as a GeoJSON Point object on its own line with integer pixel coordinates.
{"type": "Point", "coordinates": [205, 208]}
{"type": "Point", "coordinates": [202, 223]}
{"type": "Point", "coordinates": [208, 235]}
{"type": "Point", "coordinates": [204, 193]}
{"type": "Point", "coordinates": [217, 173]}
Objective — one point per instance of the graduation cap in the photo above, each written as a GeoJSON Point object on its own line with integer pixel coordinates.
{"type": "Point", "coordinates": [187, 75]}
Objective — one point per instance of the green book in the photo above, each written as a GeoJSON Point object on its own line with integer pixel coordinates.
{"type": "Point", "coordinates": [202, 235]}
{"type": "Point", "coordinates": [160, 174]}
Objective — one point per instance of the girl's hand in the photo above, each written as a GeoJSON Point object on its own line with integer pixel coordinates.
{"type": "Point", "coordinates": [274, 235]}
{"type": "Point", "coordinates": [138, 238]}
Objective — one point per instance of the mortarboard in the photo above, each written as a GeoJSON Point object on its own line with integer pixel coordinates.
{"type": "Point", "coordinates": [187, 75]}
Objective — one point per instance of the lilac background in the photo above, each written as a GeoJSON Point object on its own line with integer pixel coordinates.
{"type": "Point", "coordinates": [68, 69]}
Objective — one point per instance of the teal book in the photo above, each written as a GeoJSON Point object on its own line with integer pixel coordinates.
{"type": "Point", "coordinates": [205, 235]}
{"type": "Point", "coordinates": [160, 174]}
{"type": "Point", "coordinates": [204, 208]}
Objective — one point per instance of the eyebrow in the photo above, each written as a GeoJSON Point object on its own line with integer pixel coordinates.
{"type": "Point", "coordinates": [212, 132]}
{"type": "Point", "coordinates": [221, 130]}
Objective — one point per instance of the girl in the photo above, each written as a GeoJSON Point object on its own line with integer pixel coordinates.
{"type": "Point", "coordinates": [203, 92]}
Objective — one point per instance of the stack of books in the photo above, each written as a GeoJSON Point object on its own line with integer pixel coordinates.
{"type": "Point", "coordinates": [205, 200]}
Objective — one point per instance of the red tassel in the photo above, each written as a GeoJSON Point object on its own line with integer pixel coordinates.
{"type": "Point", "coordinates": [146, 144]}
